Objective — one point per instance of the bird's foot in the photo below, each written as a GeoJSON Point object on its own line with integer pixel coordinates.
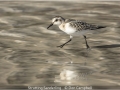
{"type": "Point", "coordinates": [88, 47]}
{"type": "Point", "coordinates": [61, 46]}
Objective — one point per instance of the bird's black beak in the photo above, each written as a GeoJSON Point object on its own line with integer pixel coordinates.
{"type": "Point", "coordinates": [50, 25]}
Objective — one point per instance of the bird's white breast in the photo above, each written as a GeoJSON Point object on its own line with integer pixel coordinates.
{"type": "Point", "coordinates": [69, 29]}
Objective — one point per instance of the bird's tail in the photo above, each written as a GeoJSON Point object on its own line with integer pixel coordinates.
{"type": "Point", "coordinates": [94, 27]}
{"type": "Point", "coordinates": [99, 27]}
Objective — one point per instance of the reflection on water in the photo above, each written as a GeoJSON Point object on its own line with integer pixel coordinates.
{"type": "Point", "coordinates": [28, 52]}
{"type": "Point", "coordinates": [76, 72]}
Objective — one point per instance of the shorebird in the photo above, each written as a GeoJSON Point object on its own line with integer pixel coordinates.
{"type": "Point", "coordinates": [73, 28]}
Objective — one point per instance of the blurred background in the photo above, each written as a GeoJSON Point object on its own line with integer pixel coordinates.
{"type": "Point", "coordinates": [28, 52]}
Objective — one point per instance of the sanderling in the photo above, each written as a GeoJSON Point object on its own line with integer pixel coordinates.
{"type": "Point", "coordinates": [73, 28]}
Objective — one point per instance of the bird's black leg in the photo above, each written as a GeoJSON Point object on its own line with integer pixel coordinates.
{"type": "Point", "coordinates": [65, 42]}
{"type": "Point", "coordinates": [86, 42]}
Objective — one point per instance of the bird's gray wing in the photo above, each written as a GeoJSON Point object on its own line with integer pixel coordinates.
{"type": "Point", "coordinates": [79, 25]}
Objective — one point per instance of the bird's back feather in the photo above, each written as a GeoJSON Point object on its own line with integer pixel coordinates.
{"type": "Point", "coordinates": [80, 25]}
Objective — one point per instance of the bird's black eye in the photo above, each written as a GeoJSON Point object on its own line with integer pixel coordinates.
{"type": "Point", "coordinates": [56, 20]}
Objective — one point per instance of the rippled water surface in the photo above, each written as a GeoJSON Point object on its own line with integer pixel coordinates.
{"type": "Point", "coordinates": [28, 52]}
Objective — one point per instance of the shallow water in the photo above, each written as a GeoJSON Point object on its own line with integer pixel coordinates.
{"type": "Point", "coordinates": [28, 52]}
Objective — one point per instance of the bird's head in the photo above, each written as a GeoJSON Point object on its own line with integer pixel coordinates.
{"type": "Point", "coordinates": [58, 20]}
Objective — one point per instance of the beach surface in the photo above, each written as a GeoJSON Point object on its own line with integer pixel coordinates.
{"type": "Point", "coordinates": [28, 52]}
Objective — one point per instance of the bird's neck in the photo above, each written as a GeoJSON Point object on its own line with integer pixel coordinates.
{"type": "Point", "coordinates": [62, 26]}
{"type": "Point", "coordinates": [63, 22]}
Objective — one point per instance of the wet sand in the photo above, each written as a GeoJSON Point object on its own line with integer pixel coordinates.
{"type": "Point", "coordinates": [28, 52]}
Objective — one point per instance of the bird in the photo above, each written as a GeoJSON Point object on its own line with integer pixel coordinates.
{"type": "Point", "coordinates": [73, 28]}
